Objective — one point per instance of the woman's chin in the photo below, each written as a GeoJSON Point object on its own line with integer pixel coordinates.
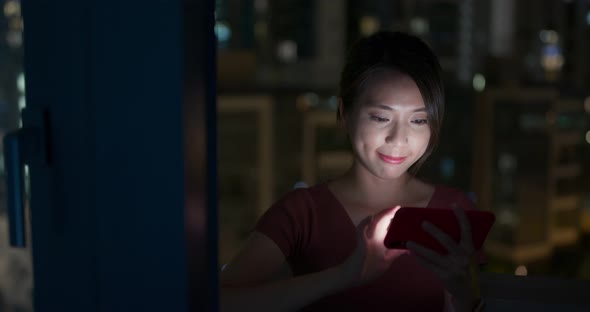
{"type": "Point", "coordinates": [392, 174]}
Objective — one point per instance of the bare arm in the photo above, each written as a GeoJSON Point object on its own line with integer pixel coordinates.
{"type": "Point", "coordinates": [259, 279]}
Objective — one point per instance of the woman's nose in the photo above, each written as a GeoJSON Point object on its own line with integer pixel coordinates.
{"type": "Point", "coordinates": [398, 134]}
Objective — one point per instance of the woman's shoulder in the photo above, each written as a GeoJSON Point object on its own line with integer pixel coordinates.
{"type": "Point", "coordinates": [287, 221]}
{"type": "Point", "coordinates": [300, 196]}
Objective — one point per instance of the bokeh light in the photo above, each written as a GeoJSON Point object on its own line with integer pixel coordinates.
{"type": "Point", "coordinates": [521, 270]}
{"type": "Point", "coordinates": [479, 82]}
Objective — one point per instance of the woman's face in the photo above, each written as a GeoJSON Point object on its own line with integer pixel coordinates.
{"type": "Point", "coordinates": [388, 126]}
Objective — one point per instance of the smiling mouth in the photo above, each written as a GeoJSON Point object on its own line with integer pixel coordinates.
{"type": "Point", "coordinates": [391, 160]}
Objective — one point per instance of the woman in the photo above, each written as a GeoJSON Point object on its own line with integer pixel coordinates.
{"type": "Point", "coordinates": [322, 248]}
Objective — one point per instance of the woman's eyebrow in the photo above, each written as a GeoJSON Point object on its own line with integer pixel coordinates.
{"type": "Point", "coordinates": [381, 106]}
{"type": "Point", "coordinates": [389, 108]}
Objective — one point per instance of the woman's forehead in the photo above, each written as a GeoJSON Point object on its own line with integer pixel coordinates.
{"type": "Point", "coordinates": [393, 93]}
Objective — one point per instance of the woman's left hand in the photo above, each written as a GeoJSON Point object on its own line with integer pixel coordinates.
{"type": "Point", "coordinates": [458, 270]}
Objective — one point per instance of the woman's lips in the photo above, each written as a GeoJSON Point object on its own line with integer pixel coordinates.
{"type": "Point", "coordinates": [391, 160]}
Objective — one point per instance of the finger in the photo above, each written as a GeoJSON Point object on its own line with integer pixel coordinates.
{"type": "Point", "coordinates": [466, 238]}
{"type": "Point", "coordinates": [386, 214]}
{"type": "Point", "coordinates": [440, 272]}
{"type": "Point", "coordinates": [429, 254]}
{"type": "Point", "coordinates": [382, 222]}
{"type": "Point", "coordinates": [449, 243]}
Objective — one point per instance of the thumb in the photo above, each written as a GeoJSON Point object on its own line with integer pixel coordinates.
{"type": "Point", "coordinates": [390, 213]}
{"type": "Point", "coordinates": [383, 222]}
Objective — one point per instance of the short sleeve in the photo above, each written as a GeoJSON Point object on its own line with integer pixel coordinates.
{"type": "Point", "coordinates": [287, 221]}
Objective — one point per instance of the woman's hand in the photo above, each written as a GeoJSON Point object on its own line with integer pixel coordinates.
{"type": "Point", "coordinates": [458, 269]}
{"type": "Point", "coordinates": [371, 258]}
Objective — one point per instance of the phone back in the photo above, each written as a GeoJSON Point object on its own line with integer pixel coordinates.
{"type": "Point", "coordinates": [406, 226]}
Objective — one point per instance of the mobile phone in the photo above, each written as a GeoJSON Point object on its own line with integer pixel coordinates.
{"type": "Point", "coordinates": [406, 226]}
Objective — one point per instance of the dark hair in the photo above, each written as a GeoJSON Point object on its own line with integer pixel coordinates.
{"type": "Point", "coordinates": [399, 52]}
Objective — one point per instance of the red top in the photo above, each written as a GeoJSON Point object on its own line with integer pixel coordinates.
{"type": "Point", "coordinates": [314, 232]}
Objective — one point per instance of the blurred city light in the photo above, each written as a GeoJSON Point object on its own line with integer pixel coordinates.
{"type": "Point", "coordinates": [12, 8]}
{"type": "Point", "coordinates": [507, 162]}
{"type": "Point", "coordinates": [287, 51]}
{"type": "Point", "coordinates": [507, 217]}
{"type": "Point", "coordinates": [552, 58]}
{"type": "Point", "coordinates": [369, 25]}
{"type": "Point", "coordinates": [419, 25]}
{"type": "Point", "coordinates": [588, 136]}
{"type": "Point", "coordinates": [20, 82]}
{"type": "Point", "coordinates": [22, 103]}
{"type": "Point", "coordinates": [549, 36]}
{"type": "Point", "coordinates": [333, 102]}
{"type": "Point", "coordinates": [479, 82]}
{"type": "Point", "coordinates": [222, 31]}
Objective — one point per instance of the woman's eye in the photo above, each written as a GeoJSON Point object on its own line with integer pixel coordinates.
{"type": "Point", "coordinates": [420, 121]}
{"type": "Point", "coordinates": [379, 119]}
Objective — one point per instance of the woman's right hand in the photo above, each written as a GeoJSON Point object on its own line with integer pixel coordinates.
{"type": "Point", "coordinates": [371, 258]}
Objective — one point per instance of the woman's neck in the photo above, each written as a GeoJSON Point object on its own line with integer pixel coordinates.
{"type": "Point", "coordinates": [362, 186]}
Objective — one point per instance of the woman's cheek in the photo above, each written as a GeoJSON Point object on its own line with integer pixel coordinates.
{"type": "Point", "coordinates": [423, 138]}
